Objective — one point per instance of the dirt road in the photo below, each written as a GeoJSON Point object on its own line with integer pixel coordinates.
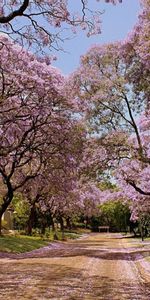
{"type": "Point", "coordinates": [100, 266]}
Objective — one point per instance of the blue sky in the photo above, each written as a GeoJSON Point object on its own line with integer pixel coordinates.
{"type": "Point", "coordinates": [117, 21]}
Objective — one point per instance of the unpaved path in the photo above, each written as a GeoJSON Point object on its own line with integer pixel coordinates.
{"type": "Point", "coordinates": [100, 266]}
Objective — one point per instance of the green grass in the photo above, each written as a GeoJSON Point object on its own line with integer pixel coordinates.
{"type": "Point", "coordinates": [148, 259]}
{"type": "Point", "coordinates": [20, 244]}
{"type": "Point", "coordinates": [136, 242]}
{"type": "Point", "coordinates": [67, 235]}
{"type": "Point", "coordinates": [72, 235]}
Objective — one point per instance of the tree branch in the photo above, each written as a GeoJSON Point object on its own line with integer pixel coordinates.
{"type": "Point", "coordinates": [139, 190]}
{"type": "Point", "coordinates": [16, 13]}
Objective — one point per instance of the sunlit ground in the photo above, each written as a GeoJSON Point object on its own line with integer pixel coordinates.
{"type": "Point", "coordinates": [101, 266]}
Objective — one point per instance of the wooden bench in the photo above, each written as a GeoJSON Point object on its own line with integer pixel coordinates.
{"type": "Point", "coordinates": [103, 228]}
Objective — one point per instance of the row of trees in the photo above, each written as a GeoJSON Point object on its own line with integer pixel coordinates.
{"type": "Point", "coordinates": [112, 85]}
{"type": "Point", "coordinates": [114, 214]}
{"type": "Point", "coordinates": [41, 142]}
{"type": "Point", "coordinates": [61, 138]}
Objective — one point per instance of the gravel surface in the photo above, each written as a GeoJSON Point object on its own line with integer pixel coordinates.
{"type": "Point", "coordinates": [99, 266]}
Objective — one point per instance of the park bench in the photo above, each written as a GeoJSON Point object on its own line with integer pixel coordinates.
{"type": "Point", "coordinates": [103, 228]}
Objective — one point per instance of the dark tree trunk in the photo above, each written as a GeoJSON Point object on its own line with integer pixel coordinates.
{"type": "Point", "coordinates": [43, 225]}
{"type": "Point", "coordinates": [31, 220]}
{"type": "Point", "coordinates": [0, 225]}
{"type": "Point", "coordinates": [53, 228]}
{"type": "Point", "coordinates": [32, 215]}
{"type": "Point", "coordinates": [142, 233]}
{"type": "Point", "coordinates": [53, 225]}
{"type": "Point", "coordinates": [62, 226]}
{"type": "Point", "coordinates": [6, 201]}
{"type": "Point", "coordinates": [61, 223]}
{"type": "Point", "coordinates": [68, 223]}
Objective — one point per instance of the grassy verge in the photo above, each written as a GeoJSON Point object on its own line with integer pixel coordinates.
{"type": "Point", "coordinates": [141, 247]}
{"type": "Point", "coordinates": [23, 243]}
{"type": "Point", "coordinates": [20, 244]}
{"type": "Point", "coordinates": [137, 242]}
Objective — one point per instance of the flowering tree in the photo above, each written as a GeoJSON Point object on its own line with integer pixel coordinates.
{"type": "Point", "coordinates": [111, 93]}
{"type": "Point", "coordinates": [112, 89]}
{"type": "Point", "coordinates": [40, 150]}
{"type": "Point", "coordinates": [137, 42]}
{"type": "Point", "coordinates": [133, 175]}
{"type": "Point", "coordinates": [102, 84]}
{"type": "Point", "coordinates": [41, 23]}
{"type": "Point", "coordinates": [110, 104]}
{"type": "Point", "coordinates": [134, 172]}
{"type": "Point", "coordinates": [52, 189]}
{"type": "Point", "coordinates": [34, 120]}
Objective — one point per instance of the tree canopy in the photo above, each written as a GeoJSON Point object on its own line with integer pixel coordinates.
{"type": "Point", "coordinates": [63, 139]}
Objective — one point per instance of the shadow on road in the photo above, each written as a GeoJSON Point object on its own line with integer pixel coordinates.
{"type": "Point", "coordinates": [66, 282]}
{"type": "Point", "coordinates": [102, 249]}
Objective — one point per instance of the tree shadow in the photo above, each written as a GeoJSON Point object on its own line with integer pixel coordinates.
{"type": "Point", "coordinates": [55, 281]}
{"type": "Point", "coordinates": [103, 249]}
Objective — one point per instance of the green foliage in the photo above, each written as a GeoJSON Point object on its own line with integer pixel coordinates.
{"type": "Point", "coordinates": [144, 224]}
{"type": "Point", "coordinates": [95, 222]}
{"type": "Point", "coordinates": [115, 214]}
{"type": "Point", "coordinates": [107, 185]}
{"type": "Point", "coordinates": [21, 210]}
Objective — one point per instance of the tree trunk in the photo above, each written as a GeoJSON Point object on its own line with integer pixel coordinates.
{"type": "Point", "coordinates": [53, 225]}
{"type": "Point", "coordinates": [29, 227]}
{"type": "Point", "coordinates": [54, 229]}
{"type": "Point", "coordinates": [6, 201]}
{"type": "Point", "coordinates": [43, 226]}
{"type": "Point", "coordinates": [68, 223]}
{"type": "Point", "coordinates": [31, 220]}
{"type": "Point", "coordinates": [142, 233]}
{"type": "Point", "coordinates": [61, 223]}
{"type": "Point", "coordinates": [0, 225]}
{"type": "Point", "coordinates": [62, 227]}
